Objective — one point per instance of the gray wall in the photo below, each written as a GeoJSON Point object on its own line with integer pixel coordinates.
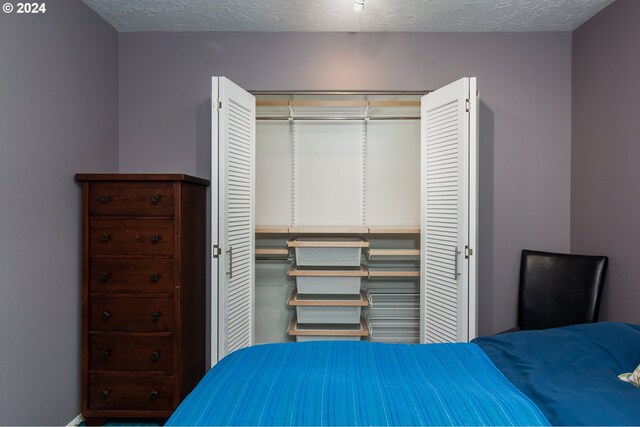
{"type": "Point", "coordinates": [525, 142]}
{"type": "Point", "coordinates": [58, 116]}
{"type": "Point", "coordinates": [605, 176]}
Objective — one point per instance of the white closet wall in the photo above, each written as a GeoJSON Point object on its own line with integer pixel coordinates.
{"type": "Point", "coordinates": [392, 173]}
{"type": "Point", "coordinates": [328, 173]}
{"type": "Point", "coordinates": [274, 202]}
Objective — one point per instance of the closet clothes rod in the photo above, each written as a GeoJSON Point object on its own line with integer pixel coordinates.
{"type": "Point", "coordinates": [361, 119]}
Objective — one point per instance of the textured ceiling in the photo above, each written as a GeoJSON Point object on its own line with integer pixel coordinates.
{"type": "Point", "coordinates": [338, 15]}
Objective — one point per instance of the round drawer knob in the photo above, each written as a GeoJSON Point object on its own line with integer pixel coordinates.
{"type": "Point", "coordinates": [155, 198]}
{"type": "Point", "coordinates": [155, 238]}
{"type": "Point", "coordinates": [104, 277]}
{"type": "Point", "coordinates": [155, 316]}
{"type": "Point", "coordinates": [155, 356]}
{"type": "Point", "coordinates": [104, 238]}
{"type": "Point", "coordinates": [154, 395]}
{"type": "Point", "coordinates": [105, 316]}
{"type": "Point", "coordinates": [155, 277]}
{"type": "Point", "coordinates": [104, 355]}
{"type": "Point", "coordinates": [104, 198]}
{"type": "Point", "coordinates": [104, 394]}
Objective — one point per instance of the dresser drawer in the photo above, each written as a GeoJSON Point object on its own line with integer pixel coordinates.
{"type": "Point", "coordinates": [131, 276]}
{"type": "Point", "coordinates": [131, 237]}
{"type": "Point", "coordinates": [131, 392]}
{"type": "Point", "coordinates": [131, 314]}
{"type": "Point", "coordinates": [122, 352]}
{"type": "Point", "coordinates": [132, 199]}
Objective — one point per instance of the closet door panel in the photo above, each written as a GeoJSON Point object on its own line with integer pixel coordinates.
{"type": "Point", "coordinates": [448, 213]}
{"type": "Point", "coordinates": [233, 220]}
{"type": "Point", "coordinates": [392, 196]}
{"type": "Point", "coordinates": [328, 178]}
{"type": "Point", "coordinates": [273, 174]}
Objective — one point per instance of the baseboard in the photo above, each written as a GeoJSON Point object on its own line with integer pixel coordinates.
{"type": "Point", "coordinates": [76, 421]}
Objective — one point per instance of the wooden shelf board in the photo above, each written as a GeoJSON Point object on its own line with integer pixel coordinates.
{"type": "Point", "coordinates": [336, 230]}
{"type": "Point", "coordinates": [362, 332]}
{"type": "Point", "coordinates": [272, 251]}
{"type": "Point", "coordinates": [362, 302]}
{"type": "Point", "coordinates": [329, 230]}
{"type": "Point", "coordinates": [362, 272]}
{"type": "Point", "coordinates": [394, 230]}
{"type": "Point", "coordinates": [334, 103]}
{"type": "Point", "coordinates": [285, 103]}
{"type": "Point", "coordinates": [394, 252]}
{"type": "Point", "coordinates": [394, 103]}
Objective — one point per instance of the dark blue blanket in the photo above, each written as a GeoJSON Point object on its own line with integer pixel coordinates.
{"type": "Point", "coordinates": [356, 383]}
{"type": "Point", "coordinates": [571, 373]}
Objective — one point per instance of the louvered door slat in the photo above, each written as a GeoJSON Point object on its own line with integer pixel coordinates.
{"type": "Point", "coordinates": [441, 150]}
{"type": "Point", "coordinates": [443, 111]}
{"type": "Point", "coordinates": [442, 135]}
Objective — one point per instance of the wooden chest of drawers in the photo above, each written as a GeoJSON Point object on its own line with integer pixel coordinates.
{"type": "Point", "coordinates": [143, 297]}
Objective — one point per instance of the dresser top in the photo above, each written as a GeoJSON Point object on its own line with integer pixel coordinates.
{"type": "Point", "coordinates": [140, 177]}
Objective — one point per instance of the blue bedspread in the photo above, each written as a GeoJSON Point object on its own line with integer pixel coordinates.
{"type": "Point", "coordinates": [356, 383]}
{"type": "Point", "coordinates": [571, 373]}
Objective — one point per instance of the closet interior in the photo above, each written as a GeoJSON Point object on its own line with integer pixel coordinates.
{"type": "Point", "coordinates": [337, 214]}
{"type": "Point", "coordinates": [298, 178]}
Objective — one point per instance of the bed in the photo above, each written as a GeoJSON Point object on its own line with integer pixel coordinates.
{"type": "Point", "coordinates": [571, 373]}
{"type": "Point", "coordinates": [562, 376]}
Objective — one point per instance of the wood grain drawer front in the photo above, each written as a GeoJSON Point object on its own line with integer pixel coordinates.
{"type": "Point", "coordinates": [131, 314]}
{"type": "Point", "coordinates": [121, 352]}
{"type": "Point", "coordinates": [131, 237]}
{"type": "Point", "coordinates": [132, 199]}
{"type": "Point", "coordinates": [131, 392]}
{"type": "Point", "coordinates": [131, 276]}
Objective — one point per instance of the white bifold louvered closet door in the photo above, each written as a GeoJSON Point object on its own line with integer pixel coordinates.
{"type": "Point", "coordinates": [449, 213]}
{"type": "Point", "coordinates": [233, 206]}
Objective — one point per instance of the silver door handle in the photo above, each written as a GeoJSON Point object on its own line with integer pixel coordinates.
{"type": "Point", "coordinates": [456, 252]}
{"type": "Point", "coordinates": [230, 272]}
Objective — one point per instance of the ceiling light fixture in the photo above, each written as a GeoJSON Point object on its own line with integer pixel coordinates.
{"type": "Point", "coordinates": [358, 5]}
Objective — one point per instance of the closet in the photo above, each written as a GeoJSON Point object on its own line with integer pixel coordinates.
{"type": "Point", "coordinates": [395, 170]}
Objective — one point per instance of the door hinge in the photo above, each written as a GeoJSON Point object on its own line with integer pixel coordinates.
{"type": "Point", "coordinates": [468, 105]}
{"type": "Point", "coordinates": [467, 252]}
{"type": "Point", "coordinates": [216, 251]}
{"type": "Point", "coordinates": [217, 105]}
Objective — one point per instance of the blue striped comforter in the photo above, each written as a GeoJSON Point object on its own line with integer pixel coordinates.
{"type": "Point", "coordinates": [356, 383]}
{"type": "Point", "coordinates": [571, 373]}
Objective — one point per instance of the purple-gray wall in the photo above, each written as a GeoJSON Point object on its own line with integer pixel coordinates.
{"type": "Point", "coordinates": [58, 116]}
{"type": "Point", "coordinates": [63, 74]}
{"type": "Point", "coordinates": [525, 117]}
{"type": "Point", "coordinates": [605, 176]}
